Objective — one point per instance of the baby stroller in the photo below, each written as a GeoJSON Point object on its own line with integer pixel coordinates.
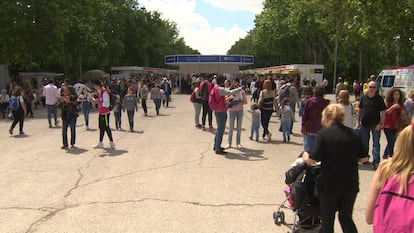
{"type": "Point", "coordinates": [302, 199]}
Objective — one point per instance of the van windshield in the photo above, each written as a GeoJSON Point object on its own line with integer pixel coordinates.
{"type": "Point", "coordinates": [388, 80]}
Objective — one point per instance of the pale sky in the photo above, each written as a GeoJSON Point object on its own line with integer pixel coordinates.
{"type": "Point", "coordinates": [210, 26]}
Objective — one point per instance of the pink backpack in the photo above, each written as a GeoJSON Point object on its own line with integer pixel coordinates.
{"type": "Point", "coordinates": [394, 212]}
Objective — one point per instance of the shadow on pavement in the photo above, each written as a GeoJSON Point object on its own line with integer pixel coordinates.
{"type": "Point", "coordinates": [111, 152]}
{"type": "Point", "coordinates": [76, 151]}
{"type": "Point", "coordinates": [246, 154]}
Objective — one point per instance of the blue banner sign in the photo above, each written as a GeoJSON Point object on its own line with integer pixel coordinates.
{"type": "Point", "coordinates": [239, 59]}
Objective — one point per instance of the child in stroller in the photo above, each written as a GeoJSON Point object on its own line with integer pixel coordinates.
{"type": "Point", "coordinates": [302, 196]}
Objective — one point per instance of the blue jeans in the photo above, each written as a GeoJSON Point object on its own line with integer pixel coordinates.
{"type": "Point", "coordinates": [51, 109]}
{"type": "Point", "coordinates": [286, 128]}
{"type": "Point", "coordinates": [197, 110]}
{"type": "Point", "coordinates": [69, 121]}
{"type": "Point", "coordinates": [308, 140]}
{"type": "Point", "coordinates": [131, 119]}
{"type": "Point", "coordinates": [221, 118]}
{"type": "Point", "coordinates": [86, 109]}
{"type": "Point", "coordinates": [255, 129]}
{"type": "Point", "coordinates": [118, 119]}
{"type": "Point", "coordinates": [390, 134]}
{"type": "Point", "coordinates": [236, 115]}
{"type": "Point", "coordinates": [364, 132]}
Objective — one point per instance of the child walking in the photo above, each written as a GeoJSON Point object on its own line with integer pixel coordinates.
{"type": "Point", "coordinates": [286, 119]}
{"type": "Point", "coordinates": [256, 116]}
{"type": "Point", "coordinates": [117, 112]}
{"type": "Point", "coordinates": [130, 104]}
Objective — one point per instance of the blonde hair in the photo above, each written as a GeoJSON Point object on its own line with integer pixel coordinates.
{"type": "Point", "coordinates": [343, 97]}
{"type": "Point", "coordinates": [402, 161]}
{"type": "Point", "coordinates": [410, 94]}
{"type": "Point", "coordinates": [334, 112]}
{"type": "Point", "coordinates": [267, 85]}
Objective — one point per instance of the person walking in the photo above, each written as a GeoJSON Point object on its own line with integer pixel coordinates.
{"type": "Point", "coordinates": [68, 103]}
{"type": "Point", "coordinates": [143, 94]}
{"type": "Point", "coordinates": [395, 107]}
{"type": "Point", "coordinates": [254, 129]}
{"type": "Point", "coordinates": [235, 108]}
{"type": "Point", "coordinates": [18, 109]}
{"type": "Point", "coordinates": [85, 102]}
{"type": "Point", "coordinates": [371, 108]}
{"type": "Point", "coordinates": [286, 118]}
{"type": "Point", "coordinates": [266, 100]}
{"type": "Point", "coordinates": [392, 188]}
{"type": "Point", "coordinates": [166, 87]}
{"type": "Point", "coordinates": [156, 97]}
{"type": "Point", "coordinates": [130, 104]}
{"type": "Point", "coordinates": [339, 149]}
{"type": "Point", "coordinates": [52, 95]}
{"type": "Point", "coordinates": [118, 112]}
{"type": "Point", "coordinates": [104, 112]}
{"type": "Point", "coordinates": [311, 119]}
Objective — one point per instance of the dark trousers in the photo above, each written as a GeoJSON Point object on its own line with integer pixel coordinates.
{"type": "Point", "coordinates": [29, 109]}
{"type": "Point", "coordinates": [166, 101]}
{"type": "Point", "coordinates": [104, 127]}
{"type": "Point", "coordinates": [207, 111]}
{"type": "Point", "coordinates": [265, 119]}
{"type": "Point", "coordinates": [18, 117]}
{"type": "Point", "coordinates": [390, 134]}
{"type": "Point", "coordinates": [144, 105]}
{"type": "Point", "coordinates": [118, 119]}
{"type": "Point", "coordinates": [131, 119]}
{"type": "Point", "coordinates": [344, 204]}
{"type": "Point", "coordinates": [69, 122]}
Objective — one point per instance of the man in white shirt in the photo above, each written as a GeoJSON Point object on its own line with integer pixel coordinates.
{"type": "Point", "coordinates": [51, 94]}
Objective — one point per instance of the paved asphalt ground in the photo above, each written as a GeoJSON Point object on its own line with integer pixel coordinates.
{"type": "Point", "coordinates": [164, 178]}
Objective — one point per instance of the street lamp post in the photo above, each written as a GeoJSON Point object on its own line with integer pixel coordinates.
{"type": "Point", "coordinates": [396, 39]}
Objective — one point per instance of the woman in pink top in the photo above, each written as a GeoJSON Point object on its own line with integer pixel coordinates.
{"type": "Point", "coordinates": [103, 102]}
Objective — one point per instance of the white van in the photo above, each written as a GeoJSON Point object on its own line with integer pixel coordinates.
{"type": "Point", "coordinates": [402, 78]}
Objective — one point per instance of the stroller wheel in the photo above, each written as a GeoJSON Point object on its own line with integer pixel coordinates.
{"type": "Point", "coordinates": [279, 217]}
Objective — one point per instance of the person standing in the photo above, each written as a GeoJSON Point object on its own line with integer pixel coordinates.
{"type": "Point", "coordinates": [391, 187]}
{"type": "Point", "coordinates": [409, 103]}
{"type": "Point", "coordinates": [311, 119]}
{"type": "Point", "coordinates": [255, 111]}
{"type": "Point", "coordinates": [68, 103]}
{"type": "Point", "coordinates": [104, 112]}
{"type": "Point", "coordinates": [343, 99]}
{"type": "Point", "coordinates": [286, 118]}
{"type": "Point", "coordinates": [339, 149]}
{"type": "Point", "coordinates": [218, 104]}
{"type": "Point", "coordinates": [266, 100]}
{"type": "Point", "coordinates": [85, 99]}
{"type": "Point", "coordinates": [197, 103]}
{"type": "Point", "coordinates": [205, 89]}
{"type": "Point", "coordinates": [395, 106]}
{"type": "Point", "coordinates": [52, 95]}
{"type": "Point", "coordinates": [130, 104]}
{"type": "Point", "coordinates": [236, 113]}
{"type": "Point", "coordinates": [156, 97]}
{"type": "Point", "coordinates": [4, 103]}
{"type": "Point", "coordinates": [143, 94]}
{"type": "Point", "coordinates": [371, 107]}
{"type": "Point", "coordinates": [18, 108]}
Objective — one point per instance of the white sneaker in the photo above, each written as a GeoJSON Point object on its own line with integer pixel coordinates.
{"type": "Point", "coordinates": [239, 146]}
{"type": "Point", "coordinates": [228, 146]}
{"type": "Point", "coordinates": [111, 145]}
{"type": "Point", "coordinates": [98, 145]}
{"type": "Point", "coordinates": [269, 137]}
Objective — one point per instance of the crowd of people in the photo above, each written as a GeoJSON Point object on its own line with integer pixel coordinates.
{"type": "Point", "coordinates": [76, 98]}
{"type": "Point", "coordinates": [335, 134]}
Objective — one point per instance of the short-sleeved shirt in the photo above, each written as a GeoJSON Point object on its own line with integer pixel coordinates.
{"type": "Point", "coordinates": [371, 108]}
{"type": "Point", "coordinates": [338, 148]}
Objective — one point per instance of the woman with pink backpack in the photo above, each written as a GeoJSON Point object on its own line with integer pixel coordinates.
{"type": "Point", "coordinates": [390, 204]}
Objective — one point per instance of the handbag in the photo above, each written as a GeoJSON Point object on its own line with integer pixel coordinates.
{"type": "Point", "coordinates": [403, 121]}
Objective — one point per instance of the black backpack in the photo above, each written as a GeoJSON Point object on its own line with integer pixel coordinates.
{"type": "Point", "coordinates": [204, 91]}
